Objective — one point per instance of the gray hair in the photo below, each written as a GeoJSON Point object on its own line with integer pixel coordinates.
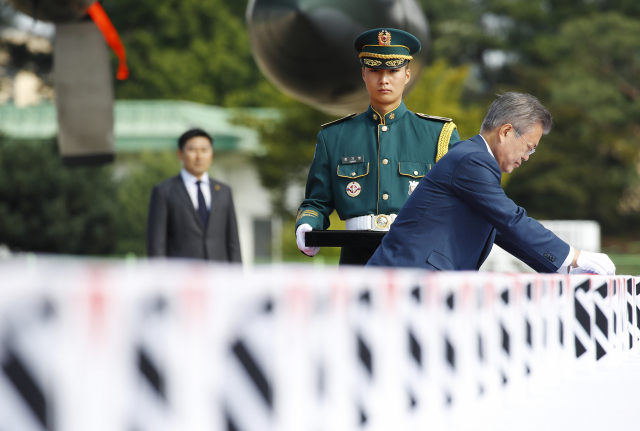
{"type": "Point", "coordinates": [522, 111]}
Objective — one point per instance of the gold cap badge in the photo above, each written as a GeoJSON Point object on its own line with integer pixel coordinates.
{"type": "Point", "coordinates": [384, 38]}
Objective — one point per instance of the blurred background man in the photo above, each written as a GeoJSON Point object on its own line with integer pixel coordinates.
{"type": "Point", "coordinates": [192, 215]}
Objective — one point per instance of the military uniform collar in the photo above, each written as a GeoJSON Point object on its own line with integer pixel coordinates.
{"type": "Point", "coordinates": [389, 118]}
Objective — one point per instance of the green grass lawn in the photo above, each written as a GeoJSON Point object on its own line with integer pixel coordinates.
{"type": "Point", "coordinates": [626, 264]}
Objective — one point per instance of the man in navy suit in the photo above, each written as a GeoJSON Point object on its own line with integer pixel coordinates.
{"type": "Point", "coordinates": [192, 215]}
{"type": "Point", "coordinates": [459, 210]}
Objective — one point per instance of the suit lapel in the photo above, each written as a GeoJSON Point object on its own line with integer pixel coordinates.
{"type": "Point", "coordinates": [183, 195]}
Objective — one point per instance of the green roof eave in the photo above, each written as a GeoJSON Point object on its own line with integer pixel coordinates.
{"type": "Point", "coordinates": [140, 124]}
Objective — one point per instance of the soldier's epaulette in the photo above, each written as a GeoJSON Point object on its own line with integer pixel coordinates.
{"type": "Point", "coordinates": [339, 120]}
{"type": "Point", "coordinates": [433, 117]}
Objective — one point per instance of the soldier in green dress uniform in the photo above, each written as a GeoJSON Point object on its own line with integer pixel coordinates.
{"type": "Point", "coordinates": [366, 166]}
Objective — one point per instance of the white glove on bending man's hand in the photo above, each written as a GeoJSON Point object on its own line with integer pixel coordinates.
{"type": "Point", "coordinates": [593, 263]}
{"type": "Point", "coordinates": [302, 229]}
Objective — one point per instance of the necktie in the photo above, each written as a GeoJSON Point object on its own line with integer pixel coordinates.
{"type": "Point", "coordinates": [202, 206]}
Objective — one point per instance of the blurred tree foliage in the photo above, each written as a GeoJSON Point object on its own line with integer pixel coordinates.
{"type": "Point", "coordinates": [440, 92]}
{"type": "Point", "coordinates": [46, 207]}
{"type": "Point", "coordinates": [495, 35]}
{"type": "Point", "coordinates": [141, 172]}
{"type": "Point", "coordinates": [289, 145]}
{"type": "Point", "coordinates": [589, 74]}
{"type": "Point", "coordinates": [582, 59]}
{"type": "Point", "coordinates": [189, 50]}
{"type": "Point", "coordinates": [6, 15]}
{"type": "Point", "coordinates": [16, 55]}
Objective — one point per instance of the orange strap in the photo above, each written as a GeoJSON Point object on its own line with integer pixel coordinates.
{"type": "Point", "coordinates": [110, 34]}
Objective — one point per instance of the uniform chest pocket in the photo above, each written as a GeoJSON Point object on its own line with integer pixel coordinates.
{"type": "Point", "coordinates": [353, 170]}
{"type": "Point", "coordinates": [414, 169]}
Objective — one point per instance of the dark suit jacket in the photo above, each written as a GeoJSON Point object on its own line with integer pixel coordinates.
{"type": "Point", "coordinates": [457, 212]}
{"type": "Point", "coordinates": [174, 228]}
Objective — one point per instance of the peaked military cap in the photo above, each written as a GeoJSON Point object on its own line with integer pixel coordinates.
{"type": "Point", "coordinates": [386, 48]}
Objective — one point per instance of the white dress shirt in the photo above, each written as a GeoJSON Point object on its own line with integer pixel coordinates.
{"type": "Point", "coordinates": [572, 252]}
{"type": "Point", "coordinates": [192, 187]}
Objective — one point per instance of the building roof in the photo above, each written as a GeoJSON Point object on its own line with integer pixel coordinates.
{"type": "Point", "coordinates": [142, 124]}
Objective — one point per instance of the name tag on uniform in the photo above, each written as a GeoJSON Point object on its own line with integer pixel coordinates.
{"type": "Point", "coordinates": [352, 159]}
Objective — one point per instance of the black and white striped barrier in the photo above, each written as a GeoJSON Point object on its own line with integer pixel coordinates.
{"type": "Point", "coordinates": [187, 346]}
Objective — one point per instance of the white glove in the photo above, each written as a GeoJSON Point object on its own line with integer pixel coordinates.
{"type": "Point", "coordinates": [594, 263]}
{"type": "Point", "coordinates": [302, 229]}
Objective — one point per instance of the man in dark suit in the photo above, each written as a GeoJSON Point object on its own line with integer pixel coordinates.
{"type": "Point", "coordinates": [458, 210]}
{"type": "Point", "coordinates": [192, 215]}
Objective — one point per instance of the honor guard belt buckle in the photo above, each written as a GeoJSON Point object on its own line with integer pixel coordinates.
{"type": "Point", "coordinates": [380, 222]}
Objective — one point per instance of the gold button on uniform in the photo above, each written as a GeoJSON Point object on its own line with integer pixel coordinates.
{"type": "Point", "coordinates": [385, 161]}
{"type": "Point", "coordinates": [385, 196]}
{"type": "Point", "coordinates": [353, 174]}
{"type": "Point", "coordinates": [384, 128]}
{"type": "Point", "coordinates": [415, 172]}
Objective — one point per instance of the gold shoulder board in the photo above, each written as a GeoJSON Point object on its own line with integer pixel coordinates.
{"type": "Point", "coordinates": [433, 117]}
{"type": "Point", "coordinates": [339, 120]}
{"type": "Point", "coordinates": [443, 140]}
